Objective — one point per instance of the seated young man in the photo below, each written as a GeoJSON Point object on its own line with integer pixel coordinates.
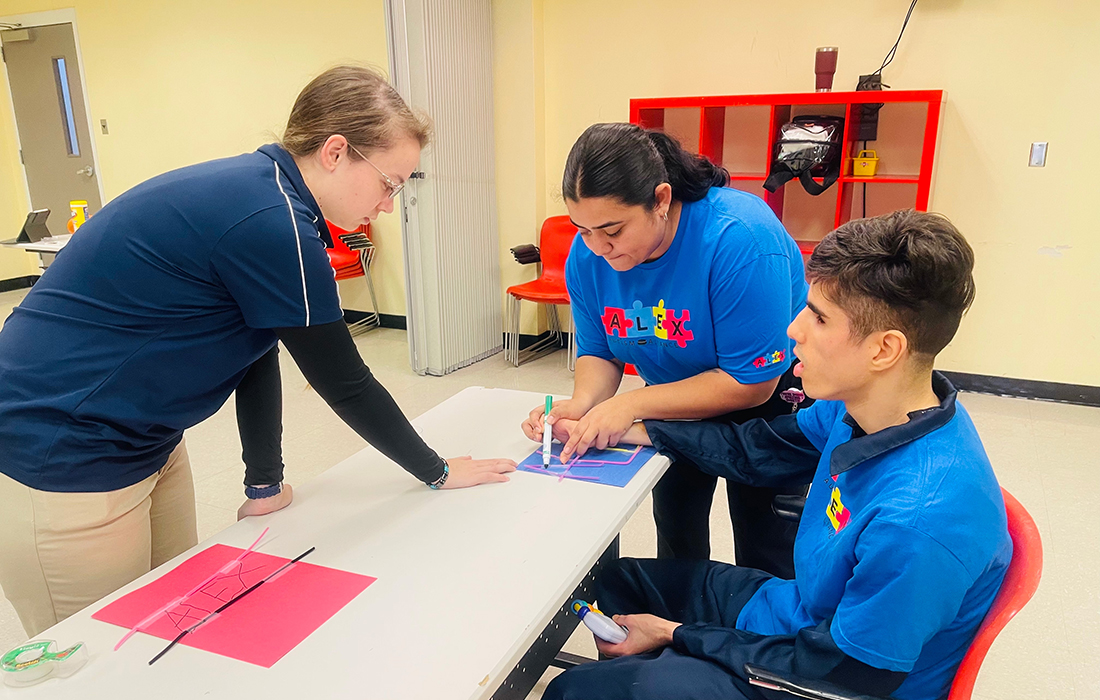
{"type": "Point", "coordinates": [903, 542]}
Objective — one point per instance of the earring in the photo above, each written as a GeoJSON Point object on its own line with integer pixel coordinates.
{"type": "Point", "coordinates": [665, 216]}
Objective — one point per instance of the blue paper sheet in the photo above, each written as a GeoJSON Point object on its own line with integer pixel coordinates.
{"type": "Point", "coordinates": [614, 466]}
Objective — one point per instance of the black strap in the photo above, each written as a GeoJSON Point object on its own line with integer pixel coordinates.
{"type": "Point", "coordinates": [782, 174]}
{"type": "Point", "coordinates": [831, 176]}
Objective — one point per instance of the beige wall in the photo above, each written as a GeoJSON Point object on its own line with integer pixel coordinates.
{"type": "Point", "coordinates": [519, 119]}
{"type": "Point", "coordinates": [183, 82]}
{"type": "Point", "coordinates": [1014, 71]}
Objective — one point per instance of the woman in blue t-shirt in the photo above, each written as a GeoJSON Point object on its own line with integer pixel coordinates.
{"type": "Point", "coordinates": [694, 284]}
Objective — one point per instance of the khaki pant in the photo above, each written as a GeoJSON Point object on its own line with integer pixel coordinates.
{"type": "Point", "coordinates": [61, 552]}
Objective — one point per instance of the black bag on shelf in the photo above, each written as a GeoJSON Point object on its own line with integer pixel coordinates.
{"type": "Point", "coordinates": [808, 147]}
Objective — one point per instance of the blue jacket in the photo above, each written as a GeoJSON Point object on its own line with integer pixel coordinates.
{"type": "Point", "coordinates": [901, 549]}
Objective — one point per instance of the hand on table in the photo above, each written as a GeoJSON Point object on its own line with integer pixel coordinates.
{"type": "Point", "coordinates": [645, 633]}
{"type": "Point", "coordinates": [569, 409]}
{"type": "Point", "coordinates": [601, 427]}
{"type": "Point", "coordinates": [263, 506]}
{"type": "Point", "coordinates": [465, 471]}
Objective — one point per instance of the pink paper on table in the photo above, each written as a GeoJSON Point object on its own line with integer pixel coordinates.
{"type": "Point", "coordinates": [263, 626]}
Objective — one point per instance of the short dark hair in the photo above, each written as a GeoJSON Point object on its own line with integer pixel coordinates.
{"type": "Point", "coordinates": [627, 162]}
{"type": "Point", "coordinates": [909, 271]}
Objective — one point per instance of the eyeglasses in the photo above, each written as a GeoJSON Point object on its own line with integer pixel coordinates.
{"type": "Point", "coordinates": [394, 187]}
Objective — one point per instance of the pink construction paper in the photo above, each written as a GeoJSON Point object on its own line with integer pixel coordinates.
{"type": "Point", "coordinates": [260, 628]}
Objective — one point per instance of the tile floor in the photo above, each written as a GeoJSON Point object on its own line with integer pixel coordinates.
{"type": "Point", "coordinates": [1044, 453]}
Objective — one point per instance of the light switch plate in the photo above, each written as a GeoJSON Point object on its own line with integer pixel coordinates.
{"type": "Point", "coordinates": [1038, 154]}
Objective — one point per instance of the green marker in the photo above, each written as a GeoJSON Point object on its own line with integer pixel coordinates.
{"type": "Point", "coordinates": [546, 433]}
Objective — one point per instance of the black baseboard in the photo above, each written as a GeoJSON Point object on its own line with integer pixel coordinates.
{"type": "Point", "coordinates": [393, 321]}
{"type": "Point", "coordinates": [385, 320]}
{"type": "Point", "coordinates": [24, 282]}
{"type": "Point", "coordinates": [1026, 388]}
{"type": "Point", "coordinates": [526, 341]}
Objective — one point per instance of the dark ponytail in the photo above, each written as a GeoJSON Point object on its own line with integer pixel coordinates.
{"type": "Point", "coordinates": [627, 162]}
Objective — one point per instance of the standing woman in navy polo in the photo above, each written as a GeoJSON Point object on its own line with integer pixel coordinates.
{"type": "Point", "coordinates": [694, 284]}
{"type": "Point", "coordinates": [171, 298]}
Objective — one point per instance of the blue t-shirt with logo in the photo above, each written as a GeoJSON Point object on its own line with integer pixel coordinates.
{"type": "Point", "coordinates": [722, 296]}
{"type": "Point", "coordinates": [151, 315]}
{"type": "Point", "coordinates": [903, 544]}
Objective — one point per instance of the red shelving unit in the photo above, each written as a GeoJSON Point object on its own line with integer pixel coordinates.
{"type": "Point", "coordinates": [740, 131]}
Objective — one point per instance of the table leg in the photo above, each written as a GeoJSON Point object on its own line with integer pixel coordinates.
{"type": "Point", "coordinates": [546, 651]}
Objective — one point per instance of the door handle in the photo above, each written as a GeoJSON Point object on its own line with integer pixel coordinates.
{"type": "Point", "coordinates": [86, 171]}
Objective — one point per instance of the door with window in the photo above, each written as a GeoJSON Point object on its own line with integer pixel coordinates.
{"type": "Point", "coordinates": [50, 115]}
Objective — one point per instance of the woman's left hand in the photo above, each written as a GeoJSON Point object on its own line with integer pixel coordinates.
{"type": "Point", "coordinates": [263, 506]}
{"type": "Point", "coordinates": [601, 427]}
{"type": "Point", "coordinates": [645, 633]}
{"type": "Point", "coordinates": [465, 472]}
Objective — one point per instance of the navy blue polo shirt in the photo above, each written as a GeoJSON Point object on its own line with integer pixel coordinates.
{"type": "Point", "coordinates": [903, 543]}
{"type": "Point", "coordinates": [150, 317]}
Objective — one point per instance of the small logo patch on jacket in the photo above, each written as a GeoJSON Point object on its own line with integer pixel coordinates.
{"type": "Point", "coordinates": [838, 514]}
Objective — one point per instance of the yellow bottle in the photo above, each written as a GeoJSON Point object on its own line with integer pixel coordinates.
{"type": "Point", "coordinates": [78, 214]}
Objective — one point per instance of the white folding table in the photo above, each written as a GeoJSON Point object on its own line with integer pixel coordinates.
{"type": "Point", "coordinates": [469, 581]}
{"type": "Point", "coordinates": [46, 248]}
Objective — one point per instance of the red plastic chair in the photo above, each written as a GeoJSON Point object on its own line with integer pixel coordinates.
{"type": "Point", "coordinates": [1021, 580]}
{"type": "Point", "coordinates": [351, 255]}
{"type": "Point", "coordinates": [554, 242]}
{"type": "Point", "coordinates": [1019, 585]}
{"type": "Point", "coordinates": [345, 261]}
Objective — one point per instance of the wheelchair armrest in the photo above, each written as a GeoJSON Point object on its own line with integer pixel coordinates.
{"type": "Point", "coordinates": [526, 254]}
{"type": "Point", "coordinates": [802, 687]}
{"type": "Point", "coordinates": [789, 507]}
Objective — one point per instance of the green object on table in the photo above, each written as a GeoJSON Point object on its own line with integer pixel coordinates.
{"type": "Point", "coordinates": [546, 432]}
{"type": "Point", "coordinates": [33, 662]}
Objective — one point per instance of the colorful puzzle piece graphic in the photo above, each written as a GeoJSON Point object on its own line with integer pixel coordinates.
{"type": "Point", "coordinates": [615, 321]}
{"type": "Point", "coordinates": [642, 318]}
{"type": "Point", "coordinates": [659, 320]}
{"type": "Point", "coordinates": [674, 326]}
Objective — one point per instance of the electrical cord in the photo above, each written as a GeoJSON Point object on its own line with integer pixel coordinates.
{"type": "Point", "coordinates": [869, 111]}
{"type": "Point", "coordinates": [863, 199]}
{"type": "Point", "coordinates": [894, 49]}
